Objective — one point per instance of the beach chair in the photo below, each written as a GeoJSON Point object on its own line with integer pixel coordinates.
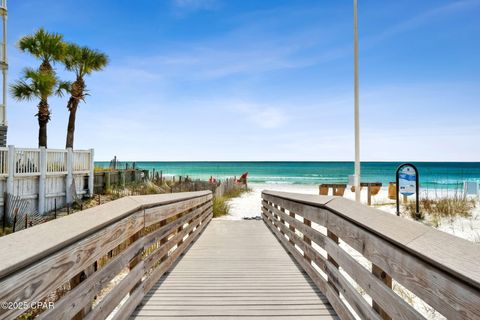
{"type": "Point", "coordinates": [338, 189]}
{"type": "Point", "coordinates": [373, 188]}
{"type": "Point", "coordinates": [471, 188]}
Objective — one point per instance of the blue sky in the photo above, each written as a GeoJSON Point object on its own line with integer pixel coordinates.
{"type": "Point", "coordinates": [263, 80]}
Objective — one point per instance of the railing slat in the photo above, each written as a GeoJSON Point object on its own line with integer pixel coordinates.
{"type": "Point", "coordinates": [73, 301]}
{"type": "Point", "coordinates": [380, 274]}
{"type": "Point", "coordinates": [114, 297]}
{"type": "Point", "coordinates": [327, 290]}
{"type": "Point", "coordinates": [397, 249]}
{"type": "Point", "coordinates": [372, 286]}
{"type": "Point", "coordinates": [154, 215]}
{"type": "Point", "coordinates": [100, 243]}
{"type": "Point", "coordinates": [167, 263]}
{"type": "Point", "coordinates": [44, 276]}
{"type": "Point", "coordinates": [157, 254]}
{"type": "Point", "coordinates": [336, 279]}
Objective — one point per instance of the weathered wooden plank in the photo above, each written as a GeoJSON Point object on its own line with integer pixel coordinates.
{"type": "Point", "coordinates": [454, 255]}
{"type": "Point", "coordinates": [158, 272]}
{"type": "Point", "coordinates": [327, 290]}
{"type": "Point", "coordinates": [394, 305]}
{"type": "Point", "coordinates": [237, 308]}
{"type": "Point", "coordinates": [169, 227]}
{"type": "Point", "coordinates": [156, 200]}
{"type": "Point", "coordinates": [161, 251]}
{"type": "Point", "coordinates": [236, 313]}
{"type": "Point", "coordinates": [335, 279]}
{"type": "Point", "coordinates": [446, 293]}
{"type": "Point", "coordinates": [84, 293]}
{"type": "Point", "coordinates": [114, 297]}
{"type": "Point", "coordinates": [156, 214]}
{"type": "Point", "coordinates": [450, 297]}
{"type": "Point", "coordinates": [235, 267]}
{"type": "Point", "coordinates": [380, 274]}
{"type": "Point", "coordinates": [127, 308]}
{"type": "Point", "coordinates": [57, 234]}
{"type": "Point", "coordinates": [309, 199]}
{"type": "Point", "coordinates": [33, 283]}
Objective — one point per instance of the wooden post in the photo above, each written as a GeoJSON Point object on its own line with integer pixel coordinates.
{"type": "Point", "coordinates": [292, 228]}
{"type": "Point", "coordinates": [369, 194]}
{"type": "Point", "coordinates": [15, 213]}
{"type": "Point", "coordinates": [42, 180]}
{"type": "Point", "coordinates": [164, 240]}
{"type": "Point", "coordinates": [11, 169]}
{"type": "Point", "coordinates": [5, 210]}
{"type": "Point", "coordinates": [282, 220]}
{"type": "Point", "coordinates": [385, 278]}
{"type": "Point", "coordinates": [179, 230]}
{"type": "Point", "coordinates": [332, 236]}
{"type": "Point", "coordinates": [122, 178]}
{"type": "Point", "coordinates": [91, 174]}
{"type": "Point", "coordinates": [138, 257]}
{"type": "Point", "coordinates": [306, 239]}
{"type": "Point", "coordinates": [69, 180]}
{"type": "Point", "coordinates": [107, 181]}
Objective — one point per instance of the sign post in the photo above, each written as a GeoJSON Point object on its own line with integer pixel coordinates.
{"type": "Point", "coordinates": [407, 184]}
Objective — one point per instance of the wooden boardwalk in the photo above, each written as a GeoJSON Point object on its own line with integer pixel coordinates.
{"type": "Point", "coordinates": [236, 269]}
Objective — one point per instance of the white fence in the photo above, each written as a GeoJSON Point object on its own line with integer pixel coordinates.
{"type": "Point", "coordinates": [46, 177]}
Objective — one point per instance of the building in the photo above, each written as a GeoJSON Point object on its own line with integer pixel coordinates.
{"type": "Point", "coordinates": [4, 69]}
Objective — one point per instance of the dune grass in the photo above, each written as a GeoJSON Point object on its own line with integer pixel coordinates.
{"type": "Point", "coordinates": [220, 204]}
{"type": "Point", "coordinates": [436, 209]}
{"type": "Point", "coordinates": [220, 207]}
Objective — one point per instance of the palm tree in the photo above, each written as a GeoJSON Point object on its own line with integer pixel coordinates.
{"type": "Point", "coordinates": [36, 84]}
{"type": "Point", "coordinates": [46, 46]}
{"type": "Point", "coordinates": [49, 48]}
{"type": "Point", "coordinates": [83, 61]}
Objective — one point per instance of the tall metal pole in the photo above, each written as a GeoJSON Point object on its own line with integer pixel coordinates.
{"type": "Point", "coordinates": [3, 71]}
{"type": "Point", "coordinates": [357, 115]}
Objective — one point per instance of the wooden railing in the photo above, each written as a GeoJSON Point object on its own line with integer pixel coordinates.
{"type": "Point", "coordinates": [329, 236]}
{"type": "Point", "coordinates": [100, 260]}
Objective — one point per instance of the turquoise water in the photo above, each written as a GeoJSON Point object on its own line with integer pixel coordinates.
{"type": "Point", "coordinates": [432, 174]}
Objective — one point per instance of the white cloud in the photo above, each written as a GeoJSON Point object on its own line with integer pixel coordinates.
{"type": "Point", "coordinates": [421, 19]}
{"type": "Point", "coordinates": [263, 116]}
{"type": "Point", "coordinates": [192, 5]}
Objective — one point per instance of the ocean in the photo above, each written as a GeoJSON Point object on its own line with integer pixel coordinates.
{"type": "Point", "coordinates": [434, 175]}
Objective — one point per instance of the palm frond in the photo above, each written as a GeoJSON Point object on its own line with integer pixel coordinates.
{"type": "Point", "coordinates": [63, 87]}
{"type": "Point", "coordinates": [35, 84]}
{"type": "Point", "coordinates": [21, 91]}
{"type": "Point", "coordinates": [83, 60]}
{"type": "Point", "coordinates": [47, 46]}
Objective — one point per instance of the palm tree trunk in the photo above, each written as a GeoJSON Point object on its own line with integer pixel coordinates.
{"type": "Point", "coordinates": [73, 104]}
{"type": "Point", "coordinates": [78, 88]}
{"type": "Point", "coordinates": [42, 133]}
{"type": "Point", "coordinates": [43, 116]}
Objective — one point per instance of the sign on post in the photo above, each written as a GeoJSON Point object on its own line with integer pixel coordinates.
{"type": "Point", "coordinates": [407, 184]}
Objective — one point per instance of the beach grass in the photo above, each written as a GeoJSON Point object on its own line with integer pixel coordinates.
{"type": "Point", "coordinates": [221, 206]}
{"type": "Point", "coordinates": [445, 207]}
